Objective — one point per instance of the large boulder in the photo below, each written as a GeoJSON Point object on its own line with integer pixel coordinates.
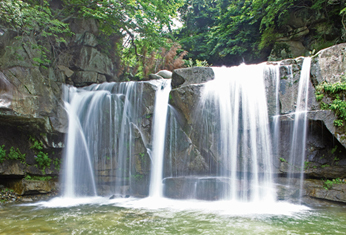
{"type": "Point", "coordinates": [188, 76]}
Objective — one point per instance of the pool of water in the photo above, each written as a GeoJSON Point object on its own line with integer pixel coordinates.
{"type": "Point", "coordinates": [162, 216]}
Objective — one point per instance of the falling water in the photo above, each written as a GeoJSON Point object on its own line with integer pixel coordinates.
{"type": "Point", "coordinates": [298, 142]}
{"type": "Point", "coordinates": [159, 132]}
{"type": "Point", "coordinates": [100, 139]}
{"type": "Point", "coordinates": [274, 73]}
{"type": "Point", "coordinates": [234, 110]}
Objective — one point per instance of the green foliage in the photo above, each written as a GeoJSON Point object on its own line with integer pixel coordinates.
{"type": "Point", "coordinates": [41, 178]}
{"type": "Point", "coordinates": [2, 153]}
{"type": "Point", "coordinates": [143, 25]}
{"type": "Point", "coordinates": [197, 63]}
{"type": "Point", "coordinates": [42, 159]}
{"type": "Point", "coordinates": [57, 164]}
{"type": "Point", "coordinates": [332, 88]}
{"type": "Point", "coordinates": [230, 31]}
{"type": "Point", "coordinates": [336, 91]}
{"type": "Point", "coordinates": [319, 97]}
{"type": "Point", "coordinates": [324, 106]}
{"type": "Point", "coordinates": [338, 123]}
{"type": "Point", "coordinates": [135, 28]}
{"type": "Point", "coordinates": [36, 145]}
{"type": "Point", "coordinates": [34, 18]}
{"type": "Point", "coordinates": [328, 184]}
{"type": "Point", "coordinates": [334, 149]}
{"type": "Point", "coordinates": [15, 154]}
{"type": "Point", "coordinates": [283, 159]}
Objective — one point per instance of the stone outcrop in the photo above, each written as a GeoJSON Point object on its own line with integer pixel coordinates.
{"type": "Point", "coordinates": [31, 91]}
{"type": "Point", "coordinates": [195, 75]}
{"type": "Point", "coordinates": [317, 189]}
{"type": "Point", "coordinates": [26, 187]}
{"type": "Point", "coordinates": [303, 33]}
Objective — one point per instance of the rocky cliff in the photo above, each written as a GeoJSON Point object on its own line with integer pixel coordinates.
{"type": "Point", "coordinates": [32, 116]}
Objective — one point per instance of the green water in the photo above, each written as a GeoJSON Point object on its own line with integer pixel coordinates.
{"type": "Point", "coordinates": [122, 218]}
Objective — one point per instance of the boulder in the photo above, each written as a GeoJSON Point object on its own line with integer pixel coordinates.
{"type": "Point", "coordinates": [329, 65]}
{"type": "Point", "coordinates": [165, 74]}
{"type": "Point", "coordinates": [188, 76]}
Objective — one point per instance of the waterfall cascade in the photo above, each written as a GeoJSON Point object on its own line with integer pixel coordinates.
{"type": "Point", "coordinates": [103, 124]}
{"type": "Point", "coordinates": [233, 125]}
{"type": "Point", "coordinates": [159, 132]}
{"type": "Point", "coordinates": [228, 137]}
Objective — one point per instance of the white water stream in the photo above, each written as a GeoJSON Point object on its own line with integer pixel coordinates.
{"type": "Point", "coordinates": [235, 102]}
{"type": "Point", "coordinates": [159, 133]}
{"type": "Point", "coordinates": [298, 142]}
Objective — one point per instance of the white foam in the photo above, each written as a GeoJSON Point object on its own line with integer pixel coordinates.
{"type": "Point", "coordinates": [233, 208]}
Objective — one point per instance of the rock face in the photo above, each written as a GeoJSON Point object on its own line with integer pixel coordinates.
{"type": "Point", "coordinates": [304, 32]}
{"type": "Point", "coordinates": [30, 96]}
{"type": "Point", "coordinates": [25, 187]}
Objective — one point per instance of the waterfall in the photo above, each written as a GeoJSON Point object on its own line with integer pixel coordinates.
{"type": "Point", "coordinates": [100, 140]}
{"type": "Point", "coordinates": [234, 113]}
{"type": "Point", "coordinates": [159, 133]}
{"type": "Point", "coordinates": [274, 73]}
{"type": "Point", "coordinates": [298, 139]}
{"type": "Point", "coordinates": [118, 137]}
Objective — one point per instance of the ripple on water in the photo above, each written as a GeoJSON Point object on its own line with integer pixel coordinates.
{"type": "Point", "coordinates": [149, 216]}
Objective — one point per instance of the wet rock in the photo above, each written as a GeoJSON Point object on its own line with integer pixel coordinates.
{"type": "Point", "coordinates": [185, 99]}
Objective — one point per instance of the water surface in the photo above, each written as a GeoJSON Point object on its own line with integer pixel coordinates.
{"type": "Point", "coordinates": [162, 216]}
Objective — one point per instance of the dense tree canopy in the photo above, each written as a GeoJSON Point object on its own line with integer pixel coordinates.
{"type": "Point", "coordinates": [229, 31]}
